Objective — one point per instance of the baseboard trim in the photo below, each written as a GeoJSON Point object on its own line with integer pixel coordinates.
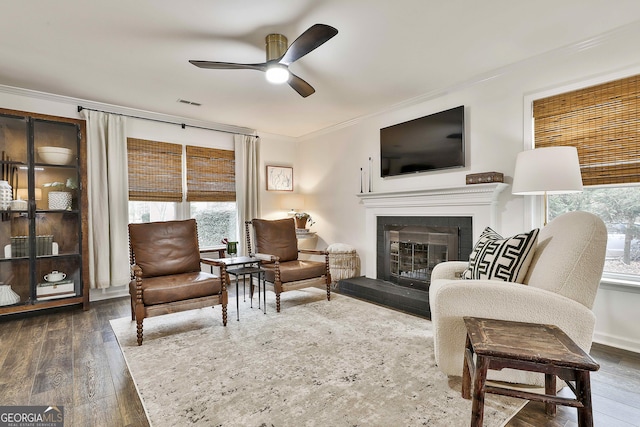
{"type": "Point", "coordinates": [616, 342]}
{"type": "Point", "coordinates": [108, 293]}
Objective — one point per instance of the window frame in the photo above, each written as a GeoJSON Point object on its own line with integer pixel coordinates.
{"type": "Point", "coordinates": [183, 207]}
{"type": "Point", "coordinates": [534, 205]}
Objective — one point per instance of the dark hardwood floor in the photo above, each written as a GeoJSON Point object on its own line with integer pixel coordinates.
{"type": "Point", "coordinates": [71, 358]}
{"type": "Point", "coordinates": [615, 390]}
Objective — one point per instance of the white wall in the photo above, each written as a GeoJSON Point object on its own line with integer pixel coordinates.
{"type": "Point", "coordinates": [276, 150]}
{"type": "Point", "coordinates": [616, 310]}
{"type": "Point", "coordinates": [329, 162]}
{"type": "Point", "coordinates": [164, 132]}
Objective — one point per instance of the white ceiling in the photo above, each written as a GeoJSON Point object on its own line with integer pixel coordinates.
{"type": "Point", "coordinates": [135, 53]}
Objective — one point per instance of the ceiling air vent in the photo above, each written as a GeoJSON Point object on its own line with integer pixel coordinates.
{"type": "Point", "coordinates": [184, 101]}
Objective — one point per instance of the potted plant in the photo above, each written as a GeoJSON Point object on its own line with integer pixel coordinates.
{"type": "Point", "coordinates": [232, 247]}
{"type": "Point", "coordinates": [301, 220]}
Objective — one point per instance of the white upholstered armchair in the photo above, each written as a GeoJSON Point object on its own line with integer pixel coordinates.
{"type": "Point", "coordinates": [559, 288]}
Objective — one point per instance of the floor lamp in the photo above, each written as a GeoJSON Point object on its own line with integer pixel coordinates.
{"type": "Point", "coordinates": [544, 171]}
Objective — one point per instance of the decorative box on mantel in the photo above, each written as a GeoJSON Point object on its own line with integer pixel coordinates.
{"type": "Point", "coordinates": [485, 177]}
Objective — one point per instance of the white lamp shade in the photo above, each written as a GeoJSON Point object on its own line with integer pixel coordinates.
{"type": "Point", "coordinates": [550, 170]}
{"type": "Point", "coordinates": [292, 201]}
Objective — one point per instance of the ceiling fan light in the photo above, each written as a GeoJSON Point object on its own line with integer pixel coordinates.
{"type": "Point", "coordinates": [277, 75]}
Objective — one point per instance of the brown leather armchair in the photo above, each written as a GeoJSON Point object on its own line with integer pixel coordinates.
{"type": "Point", "coordinates": [277, 246]}
{"type": "Point", "coordinates": [165, 272]}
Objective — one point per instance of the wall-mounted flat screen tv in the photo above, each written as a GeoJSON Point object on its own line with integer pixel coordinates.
{"type": "Point", "coordinates": [426, 144]}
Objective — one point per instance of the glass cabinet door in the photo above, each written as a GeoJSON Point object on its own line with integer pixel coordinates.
{"type": "Point", "coordinates": [57, 222]}
{"type": "Point", "coordinates": [41, 224]}
{"type": "Point", "coordinates": [15, 277]}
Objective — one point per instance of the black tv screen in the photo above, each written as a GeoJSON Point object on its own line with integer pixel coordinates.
{"type": "Point", "coordinates": [429, 143]}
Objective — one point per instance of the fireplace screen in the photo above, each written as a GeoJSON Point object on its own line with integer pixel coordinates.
{"type": "Point", "coordinates": [413, 252]}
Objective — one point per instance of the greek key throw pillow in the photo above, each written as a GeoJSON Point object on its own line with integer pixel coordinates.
{"type": "Point", "coordinates": [496, 258]}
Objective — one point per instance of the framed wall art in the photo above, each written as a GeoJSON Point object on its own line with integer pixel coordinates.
{"type": "Point", "coordinates": [279, 178]}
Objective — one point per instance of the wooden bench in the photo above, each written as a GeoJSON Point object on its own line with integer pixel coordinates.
{"type": "Point", "coordinates": [499, 344]}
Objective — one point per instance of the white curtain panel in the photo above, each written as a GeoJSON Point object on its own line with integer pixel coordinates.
{"type": "Point", "coordinates": [247, 182]}
{"type": "Point", "coordinates": [108, 197]}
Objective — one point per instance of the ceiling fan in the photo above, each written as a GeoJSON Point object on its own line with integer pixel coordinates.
{"type": "Point", "coordinates": [279, 57]}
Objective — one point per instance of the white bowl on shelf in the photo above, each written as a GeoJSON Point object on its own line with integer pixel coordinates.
{"type": "Point", "coordinates": [55, 155]}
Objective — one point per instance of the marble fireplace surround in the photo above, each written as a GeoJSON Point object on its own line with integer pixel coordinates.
{"type": "Point", "coordinates": [478, 201]}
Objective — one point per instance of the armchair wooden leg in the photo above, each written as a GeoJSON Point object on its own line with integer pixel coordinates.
{"type": "Point", "coordinates": [139, 312]}
{"type": "Point", "coordinates": [224, 301]}
{"type": "Point", "coordinates": [224, 314]}
{"type": "Point", "coordinates": [133, 313]}
{"type": "Point", "coordinates": [277, 288]}
{"type": "Point", "coordinates": [139, 330]}
{"type": "Point", "coordinates": [327, 276]}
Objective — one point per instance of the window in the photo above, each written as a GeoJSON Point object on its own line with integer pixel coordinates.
{"type": "Point", "coordinates": [619, 207]}
{"type": "Point", "coordinates": [603, 123]}
{"type": "Point", "coordinates": [216, 221]}
{"type": "Point", "coordinates": [152, 211]}
{"type": "Point", "coordinates": [156, 187]}
{"type": "Point", "coordinates": [211, 193]}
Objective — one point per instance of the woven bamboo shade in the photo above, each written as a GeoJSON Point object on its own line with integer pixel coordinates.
{"type": "Point", "coordinates": [602, 122]}
{"type": "Point", "coordinates": [155, 171]}
{"type": "Point", "coordinates": [211, 175]}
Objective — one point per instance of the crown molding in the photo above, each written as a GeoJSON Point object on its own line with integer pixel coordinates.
{"type": "Point", "coordinates": [126, 111]}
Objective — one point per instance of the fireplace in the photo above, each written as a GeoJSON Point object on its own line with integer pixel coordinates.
{"type": "Point", "coordinates": [424, 219]}
{"type": "Point", "coordinates": [410, 247]}
{"type": "Point", "coordinates": [412, 252]}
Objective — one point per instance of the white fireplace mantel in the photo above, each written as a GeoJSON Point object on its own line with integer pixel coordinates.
{"type": "Point", "coordinates": [478, 201]}
{"type": "Point", "coordinates": [476, 194]}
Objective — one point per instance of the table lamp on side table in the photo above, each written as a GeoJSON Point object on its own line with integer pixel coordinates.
{"type": "Point", "coordinates": [292, 202]}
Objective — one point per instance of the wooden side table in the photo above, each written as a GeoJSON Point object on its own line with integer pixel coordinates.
{"type": "Point", "coordinates": [499, 344]}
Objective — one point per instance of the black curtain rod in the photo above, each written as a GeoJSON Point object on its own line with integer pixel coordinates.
{"type": "Point", "coordinates": [182, 125]}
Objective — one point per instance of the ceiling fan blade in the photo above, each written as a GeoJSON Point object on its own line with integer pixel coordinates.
{"type": "Point", "coordinates": [314, 37]}
{"type": "Point", "coordinates": [300, 86]}
{"type": "Point", "coordinates": [229, 65]}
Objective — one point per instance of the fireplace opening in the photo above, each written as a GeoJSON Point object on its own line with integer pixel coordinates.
{"type": "Point", "coordinates": [414, 251]}
{"type": "Point", "coordinates": [410, 247]}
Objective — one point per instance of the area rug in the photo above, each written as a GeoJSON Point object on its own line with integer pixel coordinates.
{"type": "Point", "coordinates": [343, 362]}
